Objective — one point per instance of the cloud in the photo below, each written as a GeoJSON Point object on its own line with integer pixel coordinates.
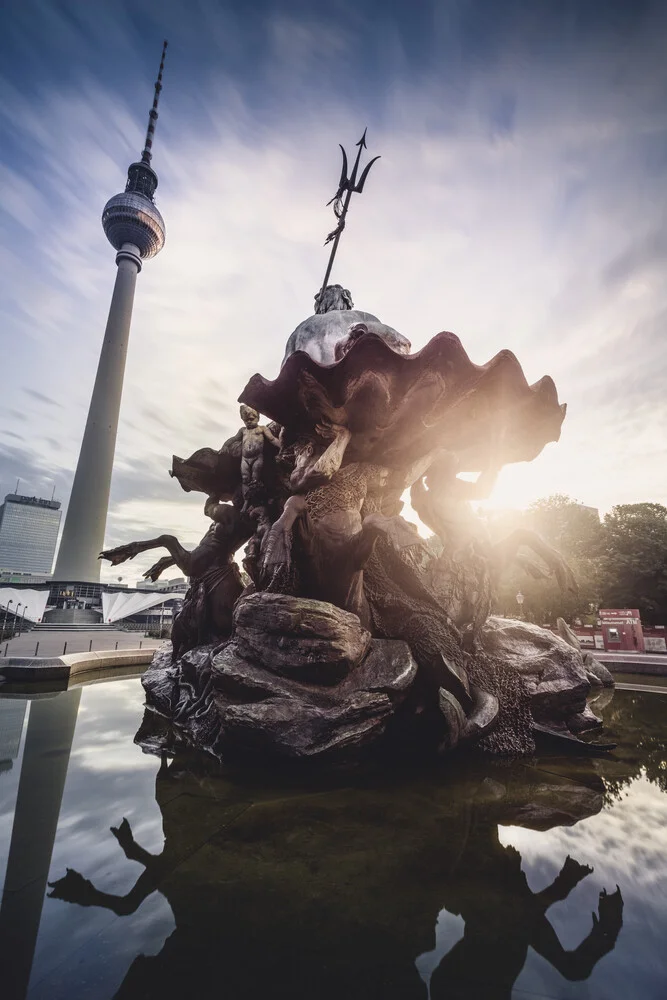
{"type": "Point", "coordinates": [602, 842]}
{"type": "Point", "coordinates": [38, 475]}
{"type": "Point", "coordinates": [649, 252]}
{"type": "Point", "coordinates": [41, 397]}
{"type": "Point", "coordinates": [515, 203]}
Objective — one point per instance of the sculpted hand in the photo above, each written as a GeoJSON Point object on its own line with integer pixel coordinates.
{"type": "Point", "coordinates": [156, 571]}
{"type": "Point", "coordinates": [327, 431]}
{"type": "Point", "coordinates": [72, 888]}
{"type": "Point", "coordinates": [277, 543]}
{"type": "Point", "coordinates": [120, 554]}
{"type": "Point", "coordinates": [278, 551]}
{"type": "Point", "coordinates": [123, 834]}
{"type": "Point", "coordinates": [610, 921]}
{"type": "Point", "coordinates": [572, 872]}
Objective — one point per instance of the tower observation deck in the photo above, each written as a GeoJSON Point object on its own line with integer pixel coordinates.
{"type": "Point", "coordinates": [135, 228]}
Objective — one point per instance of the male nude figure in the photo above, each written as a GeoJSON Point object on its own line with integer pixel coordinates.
{"type": "Point", "coordinates": [252, 438]}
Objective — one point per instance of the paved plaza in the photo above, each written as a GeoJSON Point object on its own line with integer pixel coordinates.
{"type": "Point", "coordinates": [53, 643]}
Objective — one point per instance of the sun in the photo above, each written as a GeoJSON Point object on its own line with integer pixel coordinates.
{"type": "Point", "coordinates": [520, 484]}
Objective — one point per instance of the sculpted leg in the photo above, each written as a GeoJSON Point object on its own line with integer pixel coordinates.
{"type": "Point", "coordinates": [74, 888]}
{"type": "Point", "coordinates": [570, 875]}
{"type": "Point", "coordinates": [257, 469]}
{"type": "Point", "coordinates": [578, 964]}
{"type": "Point", "coordinates": [122, 553]}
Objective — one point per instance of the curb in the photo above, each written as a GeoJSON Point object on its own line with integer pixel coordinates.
{"type": "Point", "coordinates": [658, 669]}
{"type": "Point", "coordinates": [63, 668]}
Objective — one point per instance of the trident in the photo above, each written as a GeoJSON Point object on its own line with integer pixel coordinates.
{"type": "Point", "coordinates": [349, 186]}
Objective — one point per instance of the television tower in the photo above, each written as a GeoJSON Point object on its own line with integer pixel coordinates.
{"type": "Point", "coordinates": [135, 228]}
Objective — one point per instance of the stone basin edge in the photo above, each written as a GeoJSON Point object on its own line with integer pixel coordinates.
{"type": "Point", "coordinates": [48, 668]}
{"type": "Point", "coordinates": [31, 668]}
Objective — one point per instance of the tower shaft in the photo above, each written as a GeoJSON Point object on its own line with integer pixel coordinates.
{"type": "Point", "coordinates": [83, 534]}
{"type": "Point", "coordinates": [135, 228]}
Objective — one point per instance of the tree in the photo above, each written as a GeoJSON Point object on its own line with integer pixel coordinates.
{"type": "Point", "coordinates": [574, 529]}
{"type": "Point", "coordinates": [634, 561]}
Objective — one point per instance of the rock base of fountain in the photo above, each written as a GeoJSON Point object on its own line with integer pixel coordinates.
{"type": "Point", "coordinates": [302, 680]}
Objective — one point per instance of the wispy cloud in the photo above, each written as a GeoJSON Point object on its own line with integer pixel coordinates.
{"type": "Point", "coordinates": [40, 397]}
{"type": "Point", "coordinates": [518, 202]}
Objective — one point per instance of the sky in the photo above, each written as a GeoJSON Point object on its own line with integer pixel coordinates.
{"type": "Point", "coordinates": [520, 202]}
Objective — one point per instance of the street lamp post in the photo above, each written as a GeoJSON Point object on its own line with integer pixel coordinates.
{"type": "Point", "coordinates": [4, 620]}
{"type": "Point", "coordinates": [519, 601]}
{"type": "Point", "coordinates": [22, 618]}
{"type": "Point", "coordinates": [19, 605]}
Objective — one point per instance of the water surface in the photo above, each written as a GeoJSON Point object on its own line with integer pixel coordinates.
{"type": "Point", "coordinates": [395, 885]}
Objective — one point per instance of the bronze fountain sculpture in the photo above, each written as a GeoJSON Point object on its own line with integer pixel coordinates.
{"type": "Point", "coordinates": [353, 631]}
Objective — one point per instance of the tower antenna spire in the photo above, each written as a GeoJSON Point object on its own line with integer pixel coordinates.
{"type": "Point", "coordinates": [347, 185]}
{"type": "Point", "coordinates": [152, 114]}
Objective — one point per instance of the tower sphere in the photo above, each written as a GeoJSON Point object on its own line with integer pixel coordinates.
{"type": "Point", "coordinates": [131, 217]}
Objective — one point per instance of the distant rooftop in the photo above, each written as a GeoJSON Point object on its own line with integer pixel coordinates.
{"type": "Point", "coordinates": [32, 501]}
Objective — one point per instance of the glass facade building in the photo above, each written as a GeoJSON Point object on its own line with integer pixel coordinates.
{"type": "Point", "coordinates": [28, 533]}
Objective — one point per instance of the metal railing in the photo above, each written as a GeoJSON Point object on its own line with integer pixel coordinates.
{"type": "Point", "coordinates": [70, 643]}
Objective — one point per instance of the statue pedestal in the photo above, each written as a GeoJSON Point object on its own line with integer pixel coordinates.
{"type": "Point", "coordinates": [299, 680]}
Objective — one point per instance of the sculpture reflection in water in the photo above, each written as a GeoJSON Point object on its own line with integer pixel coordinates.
{"type": "Point", "coordinates": [269, 889]}
{"type": "Point", "coordinates": [504, 917]}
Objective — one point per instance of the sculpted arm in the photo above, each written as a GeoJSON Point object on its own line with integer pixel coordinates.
{"type": "Point", "coordinates": [74, 888]}
{"type": "Point", "coordinates": [482, 488]}
{"type": "Point", "coordinates": [215, 510]}
{"type": "Point", "coordinates": [270, 437]}
{"type": "Point", "coordinates": [278, 551]}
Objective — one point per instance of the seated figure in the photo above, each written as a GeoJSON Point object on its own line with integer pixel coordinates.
{"type": "Point", "coordinates": [328, 334]}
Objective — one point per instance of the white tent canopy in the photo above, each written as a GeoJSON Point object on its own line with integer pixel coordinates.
{"type": "Point", "coordinates": [124, 605]}
{"type": "Point", "coordinates": [34, 602]}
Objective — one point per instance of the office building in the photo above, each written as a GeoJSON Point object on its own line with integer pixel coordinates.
{"type": "Point", "coordinates": [28, 534]}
